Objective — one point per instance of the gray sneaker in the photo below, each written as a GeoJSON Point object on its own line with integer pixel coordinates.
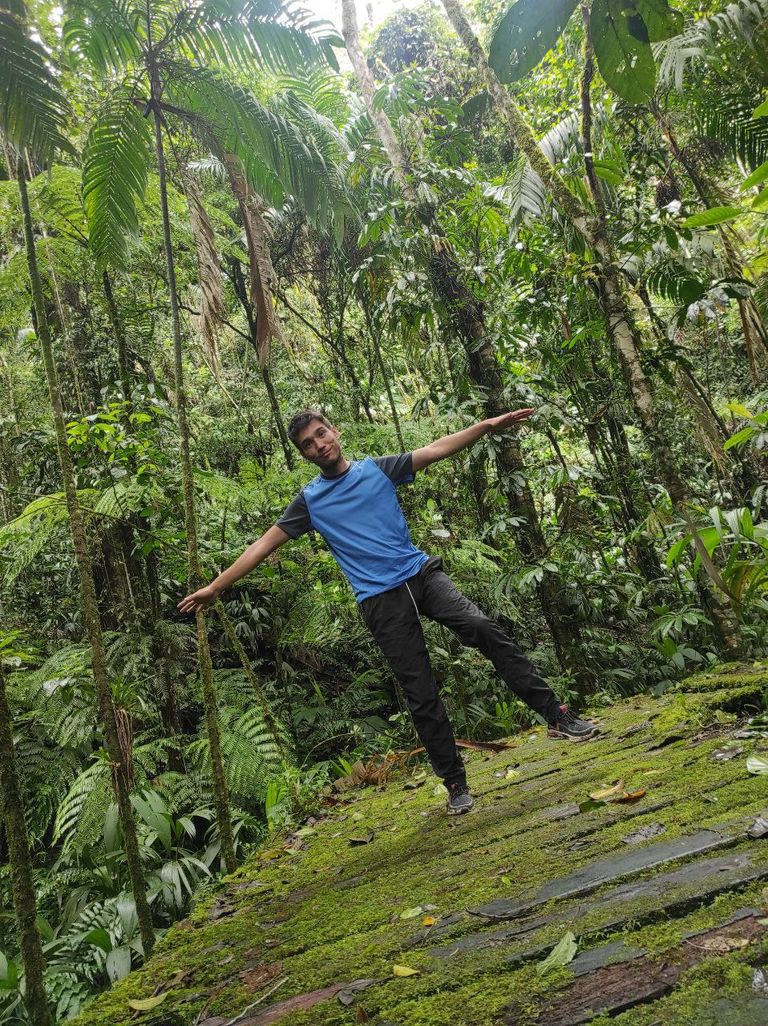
{"type": "Point", "coordinates": [460, 799]}
{"type": "Point", "coordinates": [567, 725]}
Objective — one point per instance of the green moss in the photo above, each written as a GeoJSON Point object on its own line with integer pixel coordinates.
{"type": "Point", "coordinates": [332, 911]}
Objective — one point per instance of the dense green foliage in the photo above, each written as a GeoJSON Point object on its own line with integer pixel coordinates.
{"type": "Point", "coordinates": [307, 275]}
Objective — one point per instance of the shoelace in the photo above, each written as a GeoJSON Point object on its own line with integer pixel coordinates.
{"type": "Point", "coordinates": [567, 715]}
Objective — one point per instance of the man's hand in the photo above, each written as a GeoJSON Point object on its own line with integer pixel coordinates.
{"type": "Point", "coordinates": [198, 600]}
{"type": "Point", "coordinates": [507, 420]}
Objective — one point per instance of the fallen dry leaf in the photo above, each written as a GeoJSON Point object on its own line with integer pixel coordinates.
{"type": "Point", "coordinates": [609, 794]}
{"type": "Point", "coordinates": [722, 945]}
{"type": "Point", "coordinates": [617, 793]}
{"type": "Point", "coordinates": [428, 921]}
{"type": "Point", "coordinates": [146, 1004]}
{"type": "Point", "coordinates": [404, 970]}
{"type": "Point", "coordinates": [362, 839]}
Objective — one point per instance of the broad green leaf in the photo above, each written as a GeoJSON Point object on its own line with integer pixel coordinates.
{"type": "Point", "coordinates": [146, 1004]}
{"type": "Point", "coordinates": [660, 20]}
{"type": "Point", "coordinates": [563, 953]}
{"type": "Point", "coordinates": [624, 57]}
{"type": "Point", "coordinates": [609, 171]}
{"type": "Point", "coordinates": [761, 111]}
{"type": "Point", "coordinates": [757, 176]}
{"type": "Point", "coordinates": [119, 963]}
{"type": "Point", "coordinates": [676, 550]}
{"type": "Point", "coordinates": [760, 202]}
{"type": "Point", "coordinates": [100, 938]}
{"type": "Point", "coordinates": [740, 410]}
{"type": "Point", "coordinates": [525, 34]}
{"type": "Point", "coordinates": [739, 438]}
{"type": "Point", "coordinates": [756, 764]}
{"type": "Point", "coordinates": [715, 215]}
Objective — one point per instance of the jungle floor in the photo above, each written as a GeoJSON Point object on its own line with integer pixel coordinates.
{"type": "Point", "coordinates": [666, 892]}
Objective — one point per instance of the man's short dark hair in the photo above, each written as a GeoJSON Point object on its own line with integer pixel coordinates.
{"type": "Point", "coordinates": [299, 421]}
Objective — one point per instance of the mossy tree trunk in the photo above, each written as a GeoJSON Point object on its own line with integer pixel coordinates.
{"type": "Point", "coordinates": [88, 602]}
{"type": "Point", "coordinates": [20, 862]}
{"type": "Point", "coordinates": [195, 577]}
{"type": "Point", "coordinates": [466, 316]}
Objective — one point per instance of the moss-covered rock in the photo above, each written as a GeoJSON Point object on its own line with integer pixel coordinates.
{"type": "Point", "coordinates": [306, 916]}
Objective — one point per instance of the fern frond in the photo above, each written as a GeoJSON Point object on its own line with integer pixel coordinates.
{"type": "Point", "coordinates": [89, 787]}
{"type": "Point", "coordinates": [34, 529]}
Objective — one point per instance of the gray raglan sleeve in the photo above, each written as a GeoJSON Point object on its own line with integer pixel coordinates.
{"type": "Point", "coordinates": [399, 469]}
{"type": "Point", "coordinates": [295, 520]}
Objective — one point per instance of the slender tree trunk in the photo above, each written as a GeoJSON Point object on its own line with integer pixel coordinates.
{"type": "Point", "coordinates": [88, 602]}
{"type": "Point", "coordinates": [20, 862]}
{"type": "Point", "coordinates": [220, 789]}
{"type": "Point", "coordinates": [466, 316]}
{"type": "Point", "coordinates": [117, 328]}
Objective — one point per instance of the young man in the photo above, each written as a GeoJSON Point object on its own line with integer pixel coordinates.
{"type": "Point", "coordinates": [353, 505]}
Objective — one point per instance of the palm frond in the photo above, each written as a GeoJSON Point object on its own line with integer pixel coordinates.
{"type": "Point", "coordinates": [33, 106]}
{"type": "Point", "coordinates": [321, 92]}
{"type": "Point", "coordinates": [738, 23]}
{"type": "Point", "coordinates": [729, 120]}
{"type": "Point", "coordinates": [523, 192]}
{"type": "Point", "coordinates": [280, 37]}
{"type": "Point", "coordinates": [115, 168]}
{"type": "Point", "coordinates": [275, 155]}
{"type": "Point", "coordinates": [104, 32]}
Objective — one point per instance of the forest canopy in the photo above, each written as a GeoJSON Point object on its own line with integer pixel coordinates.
{"type": "Point", "coordinates": [215, 213]}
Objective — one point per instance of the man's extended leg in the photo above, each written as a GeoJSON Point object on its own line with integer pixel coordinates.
{"type": "Point", "coordinates": [440, 600]}
{"type": "Point", "coordinates": [393, 620]}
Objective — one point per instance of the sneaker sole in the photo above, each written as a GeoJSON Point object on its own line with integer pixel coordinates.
{"type": "Point", "coordinates": [459, 812]}
{"type": "Point", "coordinates": [551, 732]}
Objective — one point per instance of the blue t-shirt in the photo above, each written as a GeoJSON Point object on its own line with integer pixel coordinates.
{"type": "Point", "coordinates": [359, 517]}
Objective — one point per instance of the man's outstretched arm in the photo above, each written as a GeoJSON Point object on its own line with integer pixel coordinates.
{"type": "Point", "coordinates": [450, 444]}
{"type": "Point", "coordinates": [250, 559]}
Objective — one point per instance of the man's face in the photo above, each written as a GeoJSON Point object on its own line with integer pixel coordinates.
{"type": "Point", "coordinates": [319, 444]}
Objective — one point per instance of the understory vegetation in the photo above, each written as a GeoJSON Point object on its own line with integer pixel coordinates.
{"type": "Point", "coordinates": [214, 213]}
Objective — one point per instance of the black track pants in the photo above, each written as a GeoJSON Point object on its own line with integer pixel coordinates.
{"type": "Point", "coordinates": [393, 619]}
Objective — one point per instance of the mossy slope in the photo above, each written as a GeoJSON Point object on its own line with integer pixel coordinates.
{"type": "Point", "coordinates": [312, 913]}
